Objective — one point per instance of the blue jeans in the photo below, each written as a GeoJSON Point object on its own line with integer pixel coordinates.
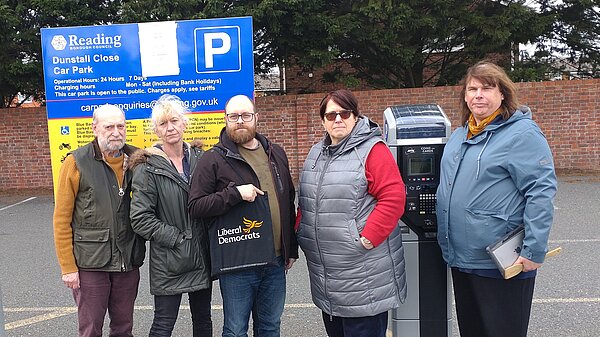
{"type": "Point", "coordinates": [261, 288]}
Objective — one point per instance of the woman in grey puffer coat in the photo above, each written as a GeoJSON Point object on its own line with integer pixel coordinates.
{"type": "Point", "coordinates": [179, 260]}
{"type": "Point", "coordinates": [351, 197]}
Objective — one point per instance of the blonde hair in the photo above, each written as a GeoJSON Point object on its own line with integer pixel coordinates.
{"type": "Point", "coordinates": [166, 107]}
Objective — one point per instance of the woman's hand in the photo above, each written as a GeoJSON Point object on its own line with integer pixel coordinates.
{"type": "Point", "coordinates": [366, 243]}
{"type": "Point", "coordinates": [528, 265]}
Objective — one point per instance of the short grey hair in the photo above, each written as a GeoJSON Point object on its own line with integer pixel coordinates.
{"type": "Point", "coordinates": [106, 108]}
{"type": "Point", "coordinates": [167, 106]}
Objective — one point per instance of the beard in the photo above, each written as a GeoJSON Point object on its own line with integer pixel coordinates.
{"type": "Point", "coordinates": [106, 145]}
{"type": "Point", "coordinates": [241, 137]}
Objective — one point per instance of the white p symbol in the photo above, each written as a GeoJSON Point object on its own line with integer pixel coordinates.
{"type": "Point", "coordinates": [210, 51]}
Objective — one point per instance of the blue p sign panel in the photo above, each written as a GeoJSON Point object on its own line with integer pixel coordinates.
{"type": "Point", "coordinates": [218, 49]}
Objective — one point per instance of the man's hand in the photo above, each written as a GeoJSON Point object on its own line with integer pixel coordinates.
{"type": "Point", "coordinates": [290, 263]}
{"type": "Point", "coordinates": [249, 192]}
{"type": "Point", "coordinates": [71, 280]}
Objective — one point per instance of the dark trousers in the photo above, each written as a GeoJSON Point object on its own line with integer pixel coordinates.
{"type": "Point", "coordinates": [369, 326]}
{"type": "Point", "coordinates": [101, 291]}
{"type": "Point", "coordinates": [490, 307]}
{"type": "Point", "coordinates": [166, 309]}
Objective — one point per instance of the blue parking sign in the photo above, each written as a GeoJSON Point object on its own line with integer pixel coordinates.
{"type": "Point", "coordinates": [204, 62]}
{"type": "Point", "coordinates": [218, 49]}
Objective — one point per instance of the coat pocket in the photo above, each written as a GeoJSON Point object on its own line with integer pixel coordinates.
{"type": "Point", "coordinates": [484, 227]}
{"type": "Point", "coordinates": [180, 259]}
{"type": "Point", "coordinates": [91, 247]}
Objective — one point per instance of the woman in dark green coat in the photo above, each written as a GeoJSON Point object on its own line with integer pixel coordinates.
{"type": "Point", "coordinates": [179, 261]}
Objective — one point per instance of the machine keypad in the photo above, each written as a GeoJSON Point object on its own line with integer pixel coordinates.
{"type": "Point", "coordinates": [427, 203]}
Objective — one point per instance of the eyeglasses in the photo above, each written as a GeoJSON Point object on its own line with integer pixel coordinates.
{"type": "Point", "coordinates": [246, 117]}
{"type": "Point", "coordinates": [332, 115]}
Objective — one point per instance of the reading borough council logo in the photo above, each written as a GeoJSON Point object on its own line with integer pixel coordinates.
{"type": "Point", "coordinates": [59, 42]}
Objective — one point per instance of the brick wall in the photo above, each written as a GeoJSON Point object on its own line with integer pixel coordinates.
{"type": "Point", "coordinates": [24, 149]}
{"type": "Point", "coordinates": [565, 110]}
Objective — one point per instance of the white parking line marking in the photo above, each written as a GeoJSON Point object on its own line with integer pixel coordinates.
{"type": "Point", "coordinates": [18, 203]}
{"type": "Point", "coordinates": [138, 307]}
{"type": "Point", "coordinates": [567, 300]}
{"type": "Point", "coordinates": [56, 312]}
{"type": "Point", "coordinates": [40, 318]}
{"type": "Point", "coordinates": [574, 241]}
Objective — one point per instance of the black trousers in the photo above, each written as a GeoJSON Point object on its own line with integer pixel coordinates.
{"type": "Point", "coordinates": [166, 309]}
{"type": "Point", "coordinates": [490, 307]}
{"type": "Point", "coordinates": [370, 326]}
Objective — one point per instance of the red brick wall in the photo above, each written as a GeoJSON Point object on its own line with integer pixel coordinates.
{"type": "Point", "coordinates": [24, 149]}
{"type": "Point", "coordinates": [565, 110]}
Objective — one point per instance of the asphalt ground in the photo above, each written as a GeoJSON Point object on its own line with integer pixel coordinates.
{"type": "Point", "coordinates": [36, 303]}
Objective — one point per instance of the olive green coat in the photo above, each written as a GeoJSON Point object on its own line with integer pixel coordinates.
{"type": "Point", "coordinates": [179, 260]}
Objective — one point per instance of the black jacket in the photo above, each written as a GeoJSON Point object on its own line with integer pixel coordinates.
{"type": "Point", "coordinates": [179, 261]}
{"type": "Point", "coordinates": [213, 191]}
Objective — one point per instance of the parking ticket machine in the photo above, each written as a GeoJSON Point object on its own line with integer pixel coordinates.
{"type": "Point", "coordinates": [416, 135]}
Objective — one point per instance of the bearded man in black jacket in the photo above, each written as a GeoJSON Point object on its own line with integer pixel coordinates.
{"type": "Point", "coordinates": [238, 173]}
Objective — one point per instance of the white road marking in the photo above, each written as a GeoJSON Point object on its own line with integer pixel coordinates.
{"type": "Point", "coordinates": [566, 300]}
{"type": "Point", "coordinates": [56, 312]}
{"type": "Point", "coordinates": [574, 241]}
{"type": "Point", "coordinates": [18, 203]}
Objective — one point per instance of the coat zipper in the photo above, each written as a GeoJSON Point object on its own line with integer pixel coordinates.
{"type": "Point", "coordinates": [279, 198]}
{"type": "Point", "coordinates": [317, 202]}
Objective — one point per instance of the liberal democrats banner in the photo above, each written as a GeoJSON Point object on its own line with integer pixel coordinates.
{"type": "Point", "coordinates": [204, 62]}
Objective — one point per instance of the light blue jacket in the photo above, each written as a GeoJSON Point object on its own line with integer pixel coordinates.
{"type": "Point", "coordinates": [492, 183]}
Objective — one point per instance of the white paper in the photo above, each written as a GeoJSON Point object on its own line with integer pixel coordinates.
{"type": "Point", "coordinates": [158, 48]}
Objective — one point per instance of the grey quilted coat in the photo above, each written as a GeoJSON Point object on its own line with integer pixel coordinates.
{"type": "Point", "coordinates": [346, 279]}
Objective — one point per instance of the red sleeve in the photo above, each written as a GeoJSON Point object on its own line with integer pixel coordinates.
{"type": "Point", "coordinates": [298, 219]}
{"type": "Point", "coordinates": [386, 185]}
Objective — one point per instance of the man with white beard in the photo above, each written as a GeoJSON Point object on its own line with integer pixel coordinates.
{"type": "Point", "coordinates": [98, 252]}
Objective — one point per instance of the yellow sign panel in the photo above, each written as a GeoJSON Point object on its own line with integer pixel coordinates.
{"type": "Point", "coordinates": [68, 134]}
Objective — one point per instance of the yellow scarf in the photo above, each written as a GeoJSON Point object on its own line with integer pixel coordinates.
{"type": "Point", "coordinates": [475, 128]}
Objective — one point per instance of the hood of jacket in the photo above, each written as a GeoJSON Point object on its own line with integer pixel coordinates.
{"type": "Point", "coordinates": [142, 156]}
{"type": "Point", "coordinates": [363, 130]}
{"type": "Point", "coordinates": [521, 113]}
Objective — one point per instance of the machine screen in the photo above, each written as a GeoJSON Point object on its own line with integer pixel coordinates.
{"type": "Point", "coordinates": [420, 166]}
